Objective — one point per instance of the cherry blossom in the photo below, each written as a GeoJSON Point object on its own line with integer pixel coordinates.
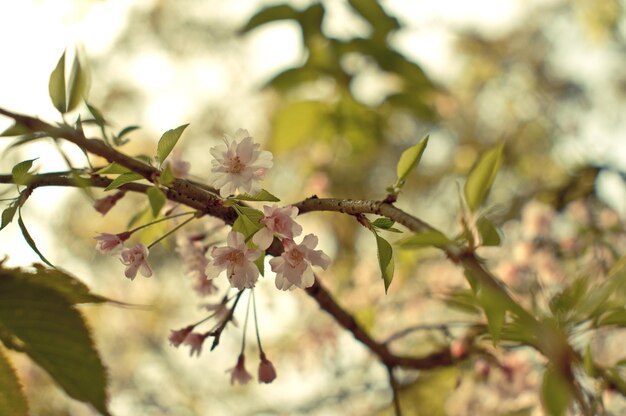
{"type": "Point", "coordinates": [293, 267]}
{"type": "Point", "coordinates": [239, 165]}
{"type": "Point", "coordinates": [267, 372]}
{"type": "Point", "coordinates": [136, 259]}
{"type": "Point", "coordinates": [192, 250]}
{"type": "Point", "coordinates": [238, 373]}
{"type": "Point", "coordinates": [104, 205]}
{"type": "Point", "coordinates": [238, 261]}
{"type": "Point", "coordinates": [195, 341]}
{"type": "Point", "coordinates": [108, 243]}
{"type": "Point", "coordinates": [279, 221]}
{"type": "Point", "coordinates": [178, 336]}
{"type": "Point", "coordinates": [178, 167]}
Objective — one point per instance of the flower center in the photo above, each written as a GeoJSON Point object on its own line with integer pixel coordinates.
{"type": "Point", "coordinates": [295, 256]}
{"type": "Point", "coordinates": [234, 165]}
{"type": "Point", "coordinates": [235, 256]}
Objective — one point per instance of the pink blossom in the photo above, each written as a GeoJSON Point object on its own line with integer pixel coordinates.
{"type": "Point", "coordinates": [238, 373]}
{"type": "Point", "coordinates": [204, 286]}
{"type": "Point", "coordinates": [267, 372]}
{"type": "Point", "coordinates": [107, 243]}
{"type": "Point", "coordinates": [178, 336]}
{"type": "Point", "coordinates": [195, 341]}
{"type": "Point", "coordinates": [178, 167]}
{"type": "Point", "coordinates": [279, 221]}
{"type": "Point", "coordinates": [237, 259]}
{"type": "Point", "coordinates": [136, 259]}
{"type": "Point", "coordinates": [103, 205]}
{"type": "Point", "coordinates": [239, 165]}
{"type": "Point", "coordinates": [192, 250]}
{"type": "Point", "coordinates": [293, 267]}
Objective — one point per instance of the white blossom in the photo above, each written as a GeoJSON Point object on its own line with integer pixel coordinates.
{"type": "Point", "coordinates": [293, 267]}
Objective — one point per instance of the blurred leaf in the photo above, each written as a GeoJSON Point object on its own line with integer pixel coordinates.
{"type": "Point", "coordinates": [8, 214]}
{"type": "Point", "coordinates": [54, 335]}
{"type": "Point", "coordinates": [12, 399]}
{"type": "Point", "coordinates": [556, 394]}
{"type": "Point", "coordinates": [482, 176]}
{"type": "Point", "coordinates": [385, 224]}
{"type": "Point", "coordinates": [78, 85]}
{"type": "Point", "coordinates": [20, 172]}
{"type": "Point", "coordinates": [70, 287]}
{"type": "Point", "coordinates": [97, 115]}
{"type": "Point", "coordinates": [616, 316]}
{"type": "Point", "coordinates": [263, 195]}
{"type": "Point", "coordinates": [270, 14]}
{"type": "Point", "coordinates": [119, 139]}
{"type": "Point", "coordinates": [56, 86]}
{"type": "Point", "coordinates": [123, 179]}
{"type": "Point", "coordinates": [29, 240]}
{"type": "Point", "coordinates": [168, 141]}
{"type": "Point", "coordinates": [409, 160]}
{"type": "Point", "coordinates": [372, 11]}
{"type": "Point", "coordinates": [113, 168]}
{"type": "Point", "coordinates": [16, 129]}
{"type": "Point", "coordinates": [296, 124]}
{"type": "Point", "coordinates": [588, 362]}
{"type": "Point", "coordinates": [310, 20]}
{"type": "Point", "coordinates": [385, 260]}
{"type": "Point", "coordinates": [292, 78]}
{"type": "Point", "coordinates": [157, 200]}
{"type": "Point", "coordinates": [489, 234]}
{"type": "Point", "coordinates": [431, 238]}
{"type": "Point", "coordinates": [464, 300]}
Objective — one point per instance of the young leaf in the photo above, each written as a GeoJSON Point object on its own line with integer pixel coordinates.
{"type": "Point", "coordinates": [167, 177]}
{"type": "Point", "coordinates": [385, 260]}
{"type": "Point", "coordinates": [78, 85]}
{"type": "Point", "coordinates": [12, 399]}
{"type": "Point", "coordinates": [8, 214]}
{"type": "Point", "coordinates": [113, 168]}
{"type": "Point", "coordinates": [246, 225]}
{"type": "Point", "coordinates": [56, 86]}
{"type": "Point", "coordinates": [263, 195]}
{"type": "Point", "coordinates": [409, 160]}
{"type": "Point", "coordinates": [488, 232]}
{"type": "Point", "coordinates": [123, 179]}
{"type": "Point", "coordinates": [168, 141]}
{"type": "Point", "coordinates": [431, 238]}
{"type": "Point", "coordinates": [482, 176]}
{"type": "Point", "coordinates": [20, 172]}
{"type": "Point", "coordinates": [157, 200]}
{"type": "Point", "coordinates": [385, 224]}
{"type": "Point", "coordinates": [54, 335]}
{"type": "Point", "coordinates": [16, 129]}
{"type": "Point", "coordinates": [556, 394]}
{"type": "Point", "coordinates": [97, 115]}
{"type": "Point", "coordinates": [29, 240]}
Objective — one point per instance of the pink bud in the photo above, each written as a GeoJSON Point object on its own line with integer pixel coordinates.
{"type": "Point", "coordinates": [103, 205]}
{"type": "Point", "coordinates": [267, 372]}
{"type": "Point", "coordinates": [177, 337]}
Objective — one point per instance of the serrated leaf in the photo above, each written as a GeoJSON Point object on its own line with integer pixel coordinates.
{"type": "Point", "coordinates": [556, 394]}
{"type": "Point", "coordinates": [15, 130]}
{"type": "Point", "coordinates": [409, 160]}
{"type": "Point", "coordinates": [12, 399]}
{"type": "Point", "coordinates": [385, 260]}
{"type": "Point", "coordinates": [20, 172]}
{"type": "Point", "coordinates": [70, 287]}
{"type": "Point", "coordinates": [29, 240]}
{"type": "Point", "coordinates": [123, 179]}
{"type": "Point", "coordinates": [113, 168]}
{"type": "Point", "coordinates": [56, 86]}
{"type": "Point", "coordinates": [263, 195]}
{"type": "Point", "coordinates": [253, 214]}
{"type": "Point", "coordinates": [488, 232]}
{"type": "Point", "coordinates": [8, 214]}
{"type": "Point", "coordinates": [157, 200]}
{"type": "Point", "coordinates": [78, 85]}
{"type": "Point", "coordinates": [168, 141]}
{"type": "Point", "coordinates": [246, 225]}
{"type": "Point", "coordinates": [270, 14]}
{"type": "Point", "coordinates": [481, 177]}
{"type": "Point", "coordinates": [431, 238]}
{"type": "Point", "coordinates": [53, 334]}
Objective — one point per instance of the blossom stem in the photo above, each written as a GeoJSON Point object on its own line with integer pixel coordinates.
{"type": "Point", "coordinates": [245, 322]}
{"type": "Point", "coordinates": [169, 217]}
{"type": "Point", "coordinates": [256, 323]}
{"type": "Point", "coordinates": [170, 232]}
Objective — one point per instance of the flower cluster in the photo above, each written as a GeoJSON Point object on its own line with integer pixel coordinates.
{"type": "Point", "coordinates": [135, 258]}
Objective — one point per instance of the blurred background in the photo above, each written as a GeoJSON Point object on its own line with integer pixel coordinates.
{"type": "Point", "coordinates": [336, 90]}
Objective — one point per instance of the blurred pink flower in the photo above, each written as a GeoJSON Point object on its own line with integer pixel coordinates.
{"type": "Point", "coordinates": [238, 373]}
{"type": "Point", "coordinates": [279, 221]}
{"type": "Point", "coordinates": [239, 165]}
{"type": "Point", "coordinates": [195, 341]}
{"type": "Point", "coordinates": [136, 259]}
{"type": "Point", "coordinates": [178, 336]}
{"type": "Point", "coordinates": [179, 168]}
{"type": "Point", "coordinates": [237, 259]}
{"type": "Point", "coordinates": [293, 267]}
{"type": "Point", "coordinates": [107, 243]}
{"type": "Point", "coordinates": [103, 205]}
{"type": "Point", "coordinates": [267, 372]}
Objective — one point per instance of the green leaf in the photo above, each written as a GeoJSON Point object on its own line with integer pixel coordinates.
{"type": "Point", "coordinates": [113, 168]}
{"type": "Point", "coordinates": [372, 11]}
{"type": "Point", "coordinates": [482, 176]}
{"type": "Point", "coordinates": [8, 214]}
{"type": "Point", "coordinates": [263, 195]}
{"type": "Point", "coordinates": [16, 129]}
{"type": "Point", "coordinates": [588, 362]}
{"type": "Point", "coordinates": [54, 334]}
{"type": "Point", "coordinates": [260, 263]}
{"type": "Point", "coordinates": [70, 287]}
{"type": "Point", "coordinates": [119, 139]}
{"type": "Point", "coordinates": [157, 200]}
{"type": "Point", "coordinates": [298, 123]}
{"type": "Point", "coordinates": [168, 141]}
{"type": "Point", "coordinates": [432, 238]}
{"type": "Point", "coordinates": [253, 214]}
{"type": "Point", "coordinates": [29, 240]}
{"type": "Point", "coordinates": [166, 177]}
{"type": "Point", "coordinates": [248, 221]}
{"type": "Point", "coordinates": [20, 172]}
{"type": "Point", "coordinates": [385, 224]}
{"type": "Point", "coordinates": [385, 260]}
{"type": "Point", "coordinates": [614, 317]}
{"type": "Point", "coordinates": [488, 232]}
{"type": "Point", "coordinates": [556, 394]}
{"type": "Point", "coordinates": [123, 179]}
{"type": "Point", "coordinates": [97, 115]}
{"type": "Point", "coordinates": [12, 399]}
{"type": "Point", "coordinates": [270, 14]}
{"type": "Point", "coordinates": [56, 86]}
{"type": "Point", "coordinates": [78, 85]}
